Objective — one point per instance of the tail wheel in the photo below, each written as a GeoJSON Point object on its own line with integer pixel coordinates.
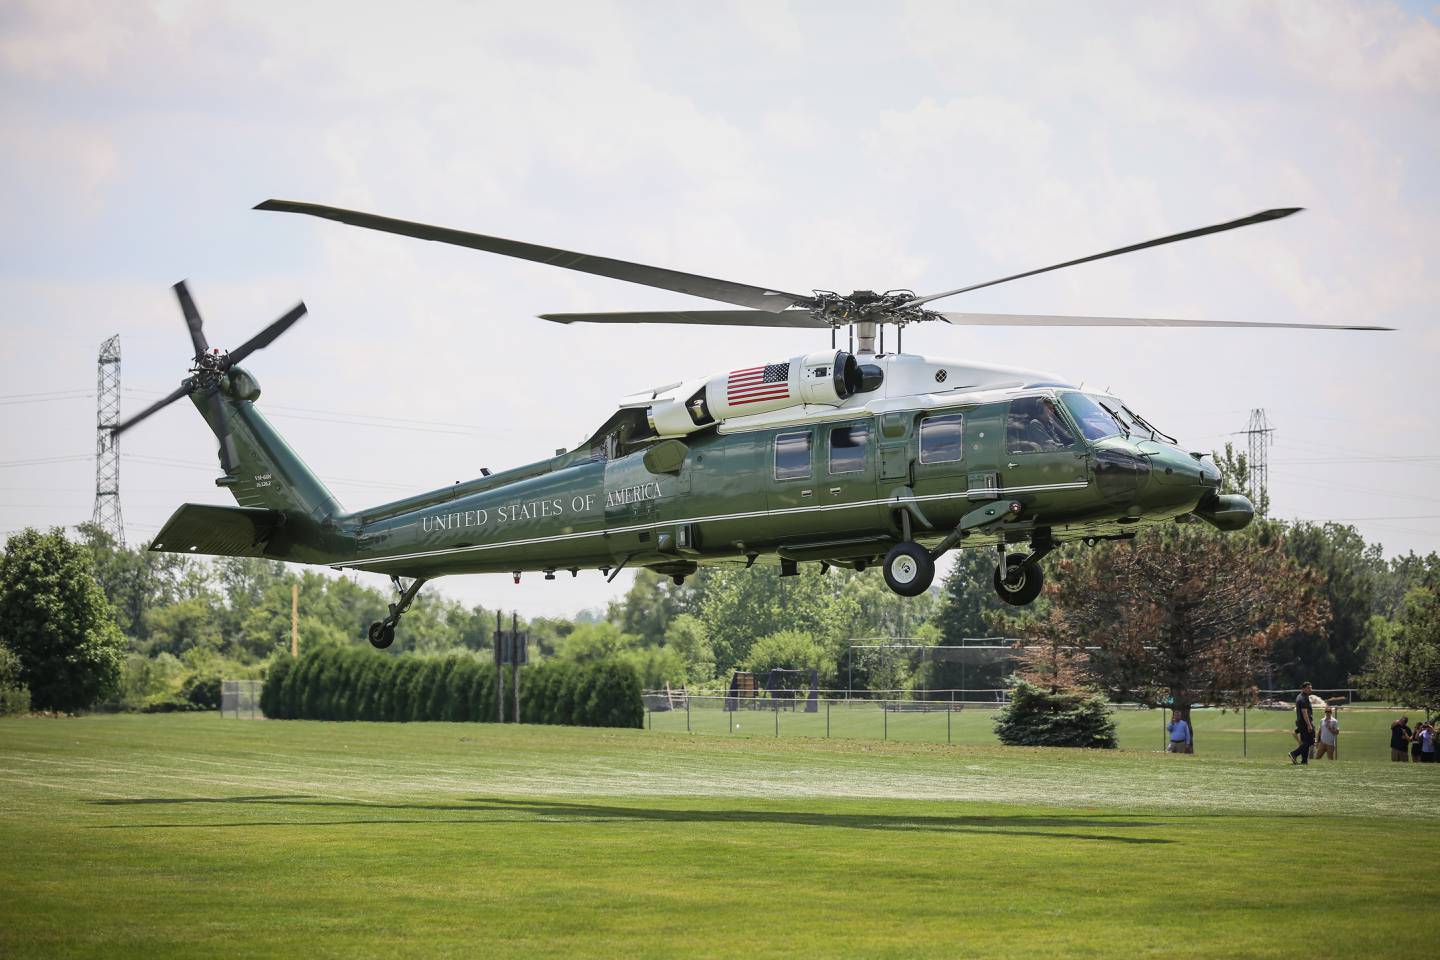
{"type": "Point", "coordinates": [909, 571]}
{"type": "Point", "coordinates": [1024, 584]}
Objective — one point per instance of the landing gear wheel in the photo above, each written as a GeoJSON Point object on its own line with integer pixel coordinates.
{"type": "Point", "coordinates": [1025, 582]}
{"type": "Point", "coordinates": [382, 634]}
{"type": "Point", "coordinates": [908, 569]}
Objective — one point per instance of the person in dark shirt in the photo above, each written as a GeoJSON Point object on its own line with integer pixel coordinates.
{"type": "Point", "coordinates": [1399, 737]}
{"type": "Point", "coordinates": [1304, 726]}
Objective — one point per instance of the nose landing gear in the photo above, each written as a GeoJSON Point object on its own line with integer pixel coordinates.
{"type": "Point", "coordinates": [382, 632]}
{"type": "Point", "coordinates": [1017, 582]}
{"type": "Point", "coordinates": [1018, 576]}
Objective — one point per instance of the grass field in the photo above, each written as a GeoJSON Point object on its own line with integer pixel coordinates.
{"type": "Point", "coordinates": [191, 836]}
{"type": "Point", "coordinates": [1365, 731]}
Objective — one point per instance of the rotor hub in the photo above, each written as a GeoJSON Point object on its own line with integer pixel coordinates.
{"type": "Point", "coordinates": [867, 306]}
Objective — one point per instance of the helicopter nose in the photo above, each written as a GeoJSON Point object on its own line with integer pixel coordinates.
{"type": "Point", "coordinates": [1175, 468]}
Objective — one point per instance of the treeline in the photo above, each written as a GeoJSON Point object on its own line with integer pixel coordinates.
{"type": "Point", "coordinates": [352, 683]}
{"type": "Point", "coordinates": [165, 628]}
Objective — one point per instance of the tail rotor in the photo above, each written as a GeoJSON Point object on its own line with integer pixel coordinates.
{"type": "Point", "coordinates": [208, 368]}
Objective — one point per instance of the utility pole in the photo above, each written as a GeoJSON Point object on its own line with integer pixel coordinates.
{"type": "Point", "coordinates": [294, 619]}
{"type": "Point", "coordinates": [1257, 433]}
{"type": "Point", "coordinates": [107, 454]}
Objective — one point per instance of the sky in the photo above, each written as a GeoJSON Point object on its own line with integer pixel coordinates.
{"type": "Point", "coordinates": [795, 145]}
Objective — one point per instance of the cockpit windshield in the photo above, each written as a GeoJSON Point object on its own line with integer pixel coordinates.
{"type": "Point", "coordinates": [1095, 421]}
{"type": "Point", "coordinates": [1131, 423]}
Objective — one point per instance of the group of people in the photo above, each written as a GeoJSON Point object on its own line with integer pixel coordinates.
{"type": "Point", "coordinates": [1310, 742]}
{"type": "Point", "coordinates": [1322, 741]}
{"type": "Point", "coordinates": [1412, 746]}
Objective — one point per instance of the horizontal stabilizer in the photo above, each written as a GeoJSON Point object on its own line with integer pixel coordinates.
{"type": "Point", "coordinates": [218, 531]}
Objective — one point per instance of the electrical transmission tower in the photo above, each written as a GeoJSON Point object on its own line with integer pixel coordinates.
{"type": "Point", "coordinates": [107, 453]}
{"type": "Point", "coordinates": [1258, 432]}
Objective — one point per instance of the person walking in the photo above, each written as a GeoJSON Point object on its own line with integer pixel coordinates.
{"type": "Point", "coordinates": [1304, 726]}
{"type": "Point", "coordinates": [1179, 732]}
{"type": "Point", "coordinates": [1426, 735]}
{"type": "Point", "coordinates": [1399, 737]}
{"type": "Point", "coordinates": [1415, 742]}
{"type": "Point", "coordinates": [1329, 735]}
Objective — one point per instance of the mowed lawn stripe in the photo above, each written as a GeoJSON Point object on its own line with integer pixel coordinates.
{"type": "Point", "coordinates": [188, 835]}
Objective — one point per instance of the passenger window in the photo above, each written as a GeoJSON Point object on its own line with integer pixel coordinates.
{"type": "Point", "coordinates": [792, 456]}
{"type": "Point", "coordinates": [847, 448]}
{"type": "Point", "coordinates": [942, 438]}
{"type": "Point", "coordinates": [1035, 426]}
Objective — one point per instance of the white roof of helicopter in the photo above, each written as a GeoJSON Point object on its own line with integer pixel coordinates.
{"type": "Point", "coordinates": [912, 382]}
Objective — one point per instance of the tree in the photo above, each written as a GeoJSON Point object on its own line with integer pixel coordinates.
{"type": "Point", "coordinates": [56, 620]}
{"type": "Point", "coordinates": [1049, 659]}
{"type": "Point", "coordinates": [1234, 468]}
{"type": "Point", "coordinates": [14, 695]}
{"type": "Point", "coordinates": [136, 581]}
{"type": "Point", "coordinates": [741, 606]}
{"type": "Point", "coordinates": [1042, 718]}
{"type": "Point", "coordinates": [790, 650]}
{"type": "Point", "coordinates": [1182, 614]}
{"type": "Point", "coordinates": [1406, 665]}
{"type": "Point", "coordinates": [650, 604]}
{"type": "Point", "coordinates": [968, 599]}
{"type": "Point", "coordinates": [1350, 570]}
{"type": "Point", "coordinates": [686, 636]}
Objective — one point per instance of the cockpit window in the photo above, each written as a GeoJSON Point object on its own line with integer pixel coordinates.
{"type": "Point", "coordinates": [1035, 426]}
{"type": "Point", "coordinates": [1094, 420]}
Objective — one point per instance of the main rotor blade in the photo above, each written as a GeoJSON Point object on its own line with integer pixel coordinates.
{"type": "Point", "coordinates": [267, 336]}
{"type": "Point", "coordinates": [155, 407]}
{"type": "Point", "coordinates": [726, 291]}
{"type": "Point", "coordinates": [1261, 217]}
{"type": "Point", "coordinates": [1028, 320]}
{"type": "Point", "coordinates": [734, 318]}
{"type": "Point", "coordinates": [229, 460]}
{"type": "Point", "coordinates": [192, 319]}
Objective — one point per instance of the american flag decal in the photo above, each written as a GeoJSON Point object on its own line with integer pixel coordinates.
{"type": "Point", "coordinates": [755, 384]}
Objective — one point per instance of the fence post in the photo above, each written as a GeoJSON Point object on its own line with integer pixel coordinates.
{"type": "Point", "coordinates": [731, 715]}
{"type": "Point", "coordinates": [687, 711]}
{"type": "Point", "coordinates": [885, 709]}
{"type": "Point", "coordinates": [827, 719]}
{"type": "Point", "coordinates": [649, 719]}
{"type": "Point", "coordinates": [777, 717]}
{"type": "Point", "coordinates": [1244, 730]}
{"type": "Point", "coordinates": [948, 714]}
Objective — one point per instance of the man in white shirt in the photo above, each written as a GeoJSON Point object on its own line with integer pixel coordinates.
{"type": "Point", "coordinates": [1329, 735]}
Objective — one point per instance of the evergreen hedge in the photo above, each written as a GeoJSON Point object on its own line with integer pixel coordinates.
{"type": "Point", "coordinates": [353, 683]}
{"type": "Point", "coordinates": [1038, 718]}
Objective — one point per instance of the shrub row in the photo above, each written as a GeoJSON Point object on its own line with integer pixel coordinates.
{"type": "Point", "coordinates": [351, 683]}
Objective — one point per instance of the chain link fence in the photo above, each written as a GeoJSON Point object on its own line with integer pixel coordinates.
{"type": "Point", "coordinates": [241, 699]}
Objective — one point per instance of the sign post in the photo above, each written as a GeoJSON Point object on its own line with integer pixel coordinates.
{"type": "Point", "coordinates": [512, 649]}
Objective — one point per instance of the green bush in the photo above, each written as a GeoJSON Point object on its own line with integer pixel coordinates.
{"type": "Point", "coordinates": [14, 695]}
{"type": "Point", "coordinates": [271, 703]}
{"type": "Point", "coordinates": [203, 691]}
{"type": "Point", "coordinates": [335, 683]}
{"type": "Point", "coordinates": [1039, 718]}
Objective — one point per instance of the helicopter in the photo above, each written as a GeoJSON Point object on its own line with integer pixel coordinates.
{"type": "Point", "coordinates": [847, 457]}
